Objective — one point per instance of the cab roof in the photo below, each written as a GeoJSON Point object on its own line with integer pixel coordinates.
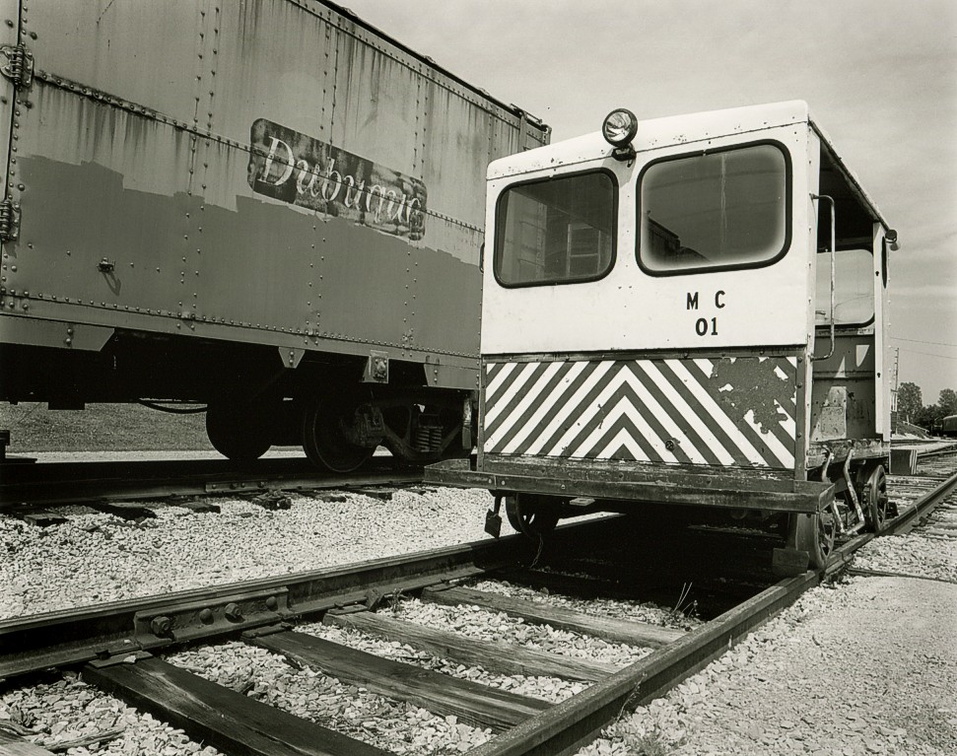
{"type": "Point", "coordinates": [837, 179]}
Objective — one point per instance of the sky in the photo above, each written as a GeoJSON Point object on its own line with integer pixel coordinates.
{"type": "Point", "coordinates": [880, 77]}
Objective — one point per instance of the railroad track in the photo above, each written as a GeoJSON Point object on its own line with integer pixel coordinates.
{"type": "Point", "coordinates": [122, 648]}
{"type": "Point", "coordinates": [26, 487]}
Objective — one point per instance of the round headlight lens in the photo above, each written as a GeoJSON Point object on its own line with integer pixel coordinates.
{"type": "Point", "coordinates": [620, 127]}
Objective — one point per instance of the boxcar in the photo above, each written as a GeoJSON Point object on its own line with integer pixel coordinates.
{"type": "Point", "coordinates": [948, 426]}
{"type": "Point", "coordinates": [689, 311]}
{"type": "Point", "coordinates": [269, 208]}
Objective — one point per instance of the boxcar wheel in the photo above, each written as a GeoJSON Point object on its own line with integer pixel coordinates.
{"type": "Point", "coordinates": [528, 519]}
{"type": "Point", "coordinates": [324, 438]}
{"type": "Point", "coordinates": [875, 500]}
{"type": "Point", "coordinates": [239, 431]}
{"type": "Point", "coordinates": [814, 533]}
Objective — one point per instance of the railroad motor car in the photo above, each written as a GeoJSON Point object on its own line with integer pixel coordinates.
{"type": "Point", "coordinates": [269, 208]}
{"type": "Point", "coordinates": [690, 311]}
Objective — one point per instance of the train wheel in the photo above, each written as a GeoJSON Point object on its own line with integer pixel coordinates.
{"type": "Point", "coordinates": [814, 533]}
{"type": "Point", "coordinates": [324, 437]}
{"type": "Point", "coordinates": [239, 431]}
{"type": "Point", "coordinates": [527, 518]}
{"type": "Point", "coordinates": [875, 500]}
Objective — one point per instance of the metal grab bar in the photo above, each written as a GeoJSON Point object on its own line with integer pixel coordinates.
{"type": "Point", "coordinates": [833, 267]}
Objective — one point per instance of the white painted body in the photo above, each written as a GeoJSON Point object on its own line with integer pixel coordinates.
{"type": "Point", "coordinates": [766, 306]}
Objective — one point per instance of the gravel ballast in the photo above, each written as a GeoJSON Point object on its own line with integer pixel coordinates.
{"type": "Point", "coordinates": [866, 665]}
{"type": "Point", "coordinates": [96, 557]}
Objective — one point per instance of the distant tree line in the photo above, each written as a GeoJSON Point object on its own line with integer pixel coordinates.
{"type": "Point", "coordinates": [910, 407]}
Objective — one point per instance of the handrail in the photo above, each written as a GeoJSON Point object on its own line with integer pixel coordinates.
{"type": "Point", "coordinates": [833, 267]}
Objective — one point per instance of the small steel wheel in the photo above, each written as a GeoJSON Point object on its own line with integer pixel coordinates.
{"type": "Point", "coordinates": [814, 533]}
{"type": "Point", "coordinates": [240, 431]}
{"type": "Point", "coordinates": [530, 516]}
{"type": "Point", "coordinates": [324, 439]}
{"type": "Point", "coordinates": [874, 499]}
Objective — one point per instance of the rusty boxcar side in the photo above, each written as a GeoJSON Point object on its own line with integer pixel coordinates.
{"type": "Point", "coordinates": [251, 198]}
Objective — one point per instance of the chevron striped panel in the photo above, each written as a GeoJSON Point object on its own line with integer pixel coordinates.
{"type": "Point", "coordinates": [718, 412]}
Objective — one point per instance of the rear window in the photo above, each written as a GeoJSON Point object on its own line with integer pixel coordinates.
{"type": "Point", "coordinates": [724, 209]}
{"type": "Point", "coordinates": [556, 231]}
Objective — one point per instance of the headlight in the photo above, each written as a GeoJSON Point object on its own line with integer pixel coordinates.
{"type": "Point", "coordinates": [620, 127]}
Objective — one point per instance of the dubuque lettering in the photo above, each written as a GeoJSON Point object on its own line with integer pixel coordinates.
{"type": "Point", "coordinates": [306, 172]}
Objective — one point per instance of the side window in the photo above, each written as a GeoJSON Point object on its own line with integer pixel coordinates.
{"type": "Point", "coordinates": [722, 209]}
{"type": "Point", "coordinates": [853, 288]}
{"type": "Point", "coordinates": [556, 231]}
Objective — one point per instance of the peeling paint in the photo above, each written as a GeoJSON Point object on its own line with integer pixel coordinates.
{"type": "Point", "coordinates": [754, 385]}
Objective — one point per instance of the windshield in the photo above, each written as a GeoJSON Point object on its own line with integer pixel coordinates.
{"type": "Point", "coordinates": [559, 230]}
{"type": "Point", "coordinates": [721, 209]}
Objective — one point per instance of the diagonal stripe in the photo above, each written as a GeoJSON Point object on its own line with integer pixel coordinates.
{"type": "Point", "coordinates": [778, 453]}
{"type": "Point", "coordinates": [494, 389]}
{"type": "Point", "coordinates": [633, 408]}
{"type": "Point", "coordinates": [584, 372]}
{"type": "Point", "coordinates": [673, 415]}
{"type": "Point", "coordinates": [748, 435]}
{"type": "Point", "coordinates": [683, 409]}
{"type": "Point", "coordinates": [624, 435]}
{"type": "Point", "coordinates": [787, 366]}
{"type": "Point", "coordinates": [537, 415]}
{"type": "Point", "coordinates": [549, 414]}
{"type": "Point", "coordinates": [508, 397]}
{"type": "Point", "coordinates": [620, 397]}
{"type": "Point", "coordinates": [586, 412]}
{"type": "Point", "coordinates": [541, 385]}
{"type": "Point", "coordinates": [657, 414]}
{"type": "Point", "coordinates": [492, 369]}
{"type": "Point", "coordinates": [569, 414]}
{"type": "Point", "coordinates": [724, 446]}
{"type": "Point", "coordinates": [696, 374]}
{"type": "Point", "coordinates": [624, 416]}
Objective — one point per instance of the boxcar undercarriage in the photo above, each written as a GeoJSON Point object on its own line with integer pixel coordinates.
{"type": "Point", "coordinates": [252, 401]}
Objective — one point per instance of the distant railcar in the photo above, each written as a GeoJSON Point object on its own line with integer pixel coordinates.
{"type": "Point", "coordinates": [691, 312]}
{"type": "Point", "coordinates": [948, 426]}
{"type": "Point", "coordinates": [272, 209]}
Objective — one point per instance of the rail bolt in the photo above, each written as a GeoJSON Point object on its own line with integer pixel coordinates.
{"type": "Point", "coordinates": [232, 613]}
{"type": "Point", "coordinates": [206, 616]}
{"type": "Point", "coordinates": [272, 604]}
{"type": "Point", "coordinates": [161, 626]}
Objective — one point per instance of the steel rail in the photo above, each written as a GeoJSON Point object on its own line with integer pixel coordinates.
{"type": "Point", "coordinates": [62, 638]}
{"type": "Point", "coordinates": [905, 522]}
{"type": "Point", "coordinates": [578, 720]}
{"type": "Point", "coordinates": [58, 483]}
{"type": "Point", "coordinates": [841, 557]}
{"type": "Point", "coordinates": [153, 623]}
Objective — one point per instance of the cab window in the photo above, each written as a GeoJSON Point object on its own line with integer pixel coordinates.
{"type": "Point", "coordinates": [724, 209]}
{"type": "Point", "coordinates": [853, 287]}
{"type": "Point", "coordinates": [556, 231]}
